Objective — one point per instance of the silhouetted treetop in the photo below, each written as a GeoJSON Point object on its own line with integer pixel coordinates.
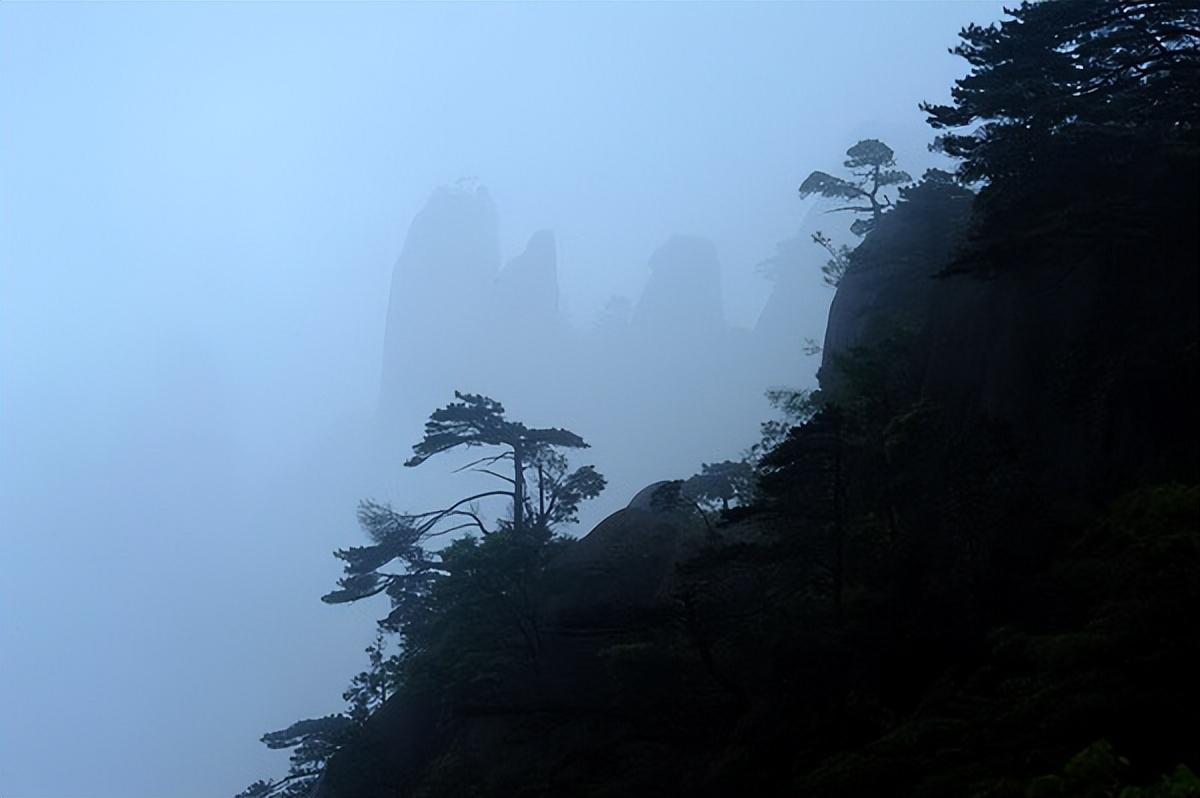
{"type": "Point", "coordinates": [312, 742]}
{"type": "Point", "coordinates": [543, 490]}
{"type": "Point", "coordinates": [1067, 68]}
{"type": "Point", "coordinates": [477, 420]}
{"type": "Point", "coordinates": [872, 164]}
{"type": "Point", "coordinates": [718, 484]}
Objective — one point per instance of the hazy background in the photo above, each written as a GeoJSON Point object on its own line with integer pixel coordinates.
{"type": "Point", "coordinates": [200, 209]}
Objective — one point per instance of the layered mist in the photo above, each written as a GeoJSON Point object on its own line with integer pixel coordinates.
{"type": "Point", "coordinates": [246, 249]}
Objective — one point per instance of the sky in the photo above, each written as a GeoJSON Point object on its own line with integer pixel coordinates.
{"type": "Point", "coordinates": [201, 205]}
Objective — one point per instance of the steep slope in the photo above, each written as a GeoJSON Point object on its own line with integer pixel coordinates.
{"type": "Point", "coordinates": [970, 564]}
{"type": "Point", "coordinates": [557, 728]}
{"type": "Point", "coordinates": [1086, 353]}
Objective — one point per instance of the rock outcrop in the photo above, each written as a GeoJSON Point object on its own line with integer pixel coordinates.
{"type": "Point", "coordinates": [669, 667]}
{"type": "Point", "coordinates": [439, 301]}
{"type": "Point", "coordinates": [1074, 357]}
{"type": "Point", "coordinates": [555, 729]}
{"type": "Point", "coordinates": [682, 300]}
{"type": "Point", "coordinates": [528, 286]}
{"type": "Point", "coordinates": [457, 321]}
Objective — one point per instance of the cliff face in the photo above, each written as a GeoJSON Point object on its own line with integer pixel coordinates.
{"type": "Point", "coordinates": [458, 321]}
{"type": "Point", "coordinates": [558, 727]}
{"type": "Point", "coordinates": [678, 660]}
{"type": "Point", "coordinates": [439, 298]}
{"type": "Point", "coordinates": [1088, 362]}
{"type": "Point", "coordinates": [682, 300]}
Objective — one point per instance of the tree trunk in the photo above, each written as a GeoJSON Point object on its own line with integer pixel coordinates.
{"type": "Point", "coordinates": [542, 520]}
{"type": "Point", "coordinates": [518, 489]}
{"type": "Point", "coordinates": [839, 528]}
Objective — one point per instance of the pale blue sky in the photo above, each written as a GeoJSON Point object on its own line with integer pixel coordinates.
{"type": "Point", "coordinates": [200, 207]}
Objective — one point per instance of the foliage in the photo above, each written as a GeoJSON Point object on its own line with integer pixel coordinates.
{"type": "Point", "coordinates": [1054, 73]}
{"type": "Point", "coordinates": [904, 541]}
{"type": "Point", "coordinates": [719, 484]}
{"type": "Point", "coordinates": [463, 614]}
{"type": "Point", "coordinates": [839, 259]}
{"type": "Point", "coordinates": [919, 238]}
{"type": "Point", "coordinates": [482, 618]}
{"type": "Point", "coordinates": [794, 406]}
{"type": "Point", "coordinates": [473, 421]}
{"type": "Point", "coordinates": [872, 165]}
{"type": "Point", "coordinates": [1098, 772]}
{"type": "Point", "coordinates": [312, 742]}
{"type": "Point", "coordinates": [896, 604]}
{"type": "Point", "coordinates": [478, 421]}
{"type": "Point", "coordinates": [481, 588]}
{"type": "Point", "coordinates": [369, 689]}
{"type": "Point", "coordinates": [1182, 782]}
{"type": "Point", "coordinates": [1080, 120]}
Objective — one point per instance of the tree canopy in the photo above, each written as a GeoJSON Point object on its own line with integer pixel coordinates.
{"type": "Point", "coordinates": [475, 421]}
{"type": "Point", "coordinates": [312, 742]}
{"type": "Point", "coordinates": [1079, 120]}
{"type": "Point", "coordinates": [472, 421]}
{"type": "Point", "coordinates": [898, 597]}
{"type": "Point", "coordinates": [872, 165]}
{"type": "Point", "coordinates": [456, 610]}
{"type": "Point", "coordinates": [1058, 71]}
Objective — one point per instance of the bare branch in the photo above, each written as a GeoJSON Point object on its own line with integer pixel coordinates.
{"type": "Point", "coordinates": [487, 460]}
{"type": "Point", "coordinates": [475, 521]}
{"type": "Point", "coordinates": [272, 787]}
{"type": "Point", "coordinates": [461, 502]}
{"type": "Point", "coordinates": [494, 474]}
{"type": "Point", "coordinates": [454, 528]}
{"type": "Point", "coordinates": [436, 516]}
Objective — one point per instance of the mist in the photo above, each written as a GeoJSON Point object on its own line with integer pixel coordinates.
{"type": "Point", "coordinates": [246, 249]}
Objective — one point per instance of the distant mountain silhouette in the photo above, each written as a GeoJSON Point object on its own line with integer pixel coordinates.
{"type": "Point", "coordinates": [458, 321]}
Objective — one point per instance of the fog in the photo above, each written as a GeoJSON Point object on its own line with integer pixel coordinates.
{"type": "Point", "coordinates": [220, 325]}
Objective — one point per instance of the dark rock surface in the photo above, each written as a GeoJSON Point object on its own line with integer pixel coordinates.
{"type": "Point", "coordinates": [1075, 358]}
{"type": "Point", "coordinates": [1088, 366]}
{"type": "Point", "coordinates": [558, 728]}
